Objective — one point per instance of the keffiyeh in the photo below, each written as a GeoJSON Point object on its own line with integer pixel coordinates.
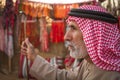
{"type": "Point", "coordinates": [102, 39]}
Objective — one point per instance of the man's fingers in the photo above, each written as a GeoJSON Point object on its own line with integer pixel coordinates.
{"type": "Point", "coordinates": [23, 48]}
{"type": "Point", "coordinates": [23, 52]}
{"type": "Point", "coordinates": [23, 44]}
{"type": "Point", "coordinates": [28, 42]}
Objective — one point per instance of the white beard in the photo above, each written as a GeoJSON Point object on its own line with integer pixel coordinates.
{"type": "Point", "coordinates": [75, 53]}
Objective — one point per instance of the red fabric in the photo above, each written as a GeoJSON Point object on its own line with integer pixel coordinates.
{"type": "Point", "coordinates": [48, 59]}
{"type": "Point", "coordinates": [33, 35]}
{"type": "Point", "coordinates": [57, 32]}
{"type": "Point", "coordinates": [58, 9]}
{"type": "Point", "coordinates": [60, 62]}
{"type": "Point", "coordinates": [102, 40]}
{"type": "Point", "coordinates": [64, 9]}
{"type": "Point", "coordinates": [69, 61]}
{"type": "Point", "coordinates": [31, 32]}
{"type": "Point", "coordinates": [20, 66]}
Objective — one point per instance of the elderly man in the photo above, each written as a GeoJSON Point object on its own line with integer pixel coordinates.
{"type": "Point", "coordinates": [92, 34]}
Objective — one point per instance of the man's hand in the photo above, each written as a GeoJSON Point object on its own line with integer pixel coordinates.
{"type": "Point", "coordinates": [28, 49]}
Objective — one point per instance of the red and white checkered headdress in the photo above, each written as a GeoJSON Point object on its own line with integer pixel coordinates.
{"type": "Point", "coordinates": [101, 38]}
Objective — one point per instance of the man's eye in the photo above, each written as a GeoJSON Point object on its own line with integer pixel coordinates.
{"type": "Point", "coordinates": [71, 27]}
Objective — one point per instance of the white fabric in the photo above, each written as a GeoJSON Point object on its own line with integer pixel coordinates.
{"type": "Point", "coordinates": [60, 1]}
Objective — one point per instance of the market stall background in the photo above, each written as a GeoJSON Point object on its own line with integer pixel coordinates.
{"type": "Point", "coordinates": [45, 26]}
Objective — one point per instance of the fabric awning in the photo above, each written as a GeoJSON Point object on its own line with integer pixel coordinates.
{"type": "Point", "coordinates": [61, 1]}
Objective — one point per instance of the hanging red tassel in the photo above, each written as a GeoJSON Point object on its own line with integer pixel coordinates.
{"type": "Point", "coordinates": [43, 35]}
{"type": "Point", "coordinates": [57, 31]}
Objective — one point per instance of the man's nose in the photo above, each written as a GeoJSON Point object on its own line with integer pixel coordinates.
{"type": "Point", "coordinates": [67, 36]}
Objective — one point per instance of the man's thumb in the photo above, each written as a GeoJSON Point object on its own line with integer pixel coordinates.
{"type": "Point", "coordinates": [27, 42]}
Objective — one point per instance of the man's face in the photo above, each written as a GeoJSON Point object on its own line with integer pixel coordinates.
{"type": "Point", "coordinates": [74, 41]}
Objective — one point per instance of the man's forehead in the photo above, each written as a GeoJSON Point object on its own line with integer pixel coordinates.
{"type": "Point", "coordinates": [72, 23]}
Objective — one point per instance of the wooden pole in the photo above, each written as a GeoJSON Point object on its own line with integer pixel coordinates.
{"type": "Point", "coordinates": [27, 67]}
{"type": "Point", "coordinates": [9, 64]}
